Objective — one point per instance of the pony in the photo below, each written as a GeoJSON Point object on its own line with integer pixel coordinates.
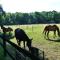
{"type": "Point", "coordinates": [22, 36]}
{"type": "Point", "coordinates": [49, 28]}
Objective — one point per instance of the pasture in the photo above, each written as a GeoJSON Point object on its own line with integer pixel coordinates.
{"type": "Point", "coordinates": [51, 48]}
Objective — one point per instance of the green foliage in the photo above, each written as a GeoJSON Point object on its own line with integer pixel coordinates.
{"type": "Point", "coordinates": [29, 18]}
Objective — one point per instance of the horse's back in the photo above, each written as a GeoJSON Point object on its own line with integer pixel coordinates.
{"type": "Point", "coordinates": [10, 29]}
{"type": "Point", "coordinates": [51, 27]}
{"type": "Point", "coordinates": [20, 34]}
{"type": "Point", "coordinates": [47, 27]}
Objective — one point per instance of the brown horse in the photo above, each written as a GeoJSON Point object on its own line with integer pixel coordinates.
{"type": "Point", "coordinates": [49, 28]}
{"type": "Point", "coordinates": [6, 29]}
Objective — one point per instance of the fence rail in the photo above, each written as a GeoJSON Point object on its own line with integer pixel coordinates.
{"type": "Point", "coordinates": [19, 53]}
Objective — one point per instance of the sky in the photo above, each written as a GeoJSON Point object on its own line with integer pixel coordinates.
{"type": "Point", "coordinates": [30, 5]}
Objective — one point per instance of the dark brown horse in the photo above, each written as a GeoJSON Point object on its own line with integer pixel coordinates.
{"type": "Point", "coordinates": [22, 36]}
{"type": "Point", "coordinates": [6, 29]}
{"type": "Point", "coordinates": [49, 28]}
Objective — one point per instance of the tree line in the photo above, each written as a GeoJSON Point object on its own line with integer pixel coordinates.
{"type": "Point", "coordinates": [30, 18]}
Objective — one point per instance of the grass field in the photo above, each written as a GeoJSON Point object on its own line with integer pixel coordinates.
{"type": "Point", "coordinates": [51, 48]}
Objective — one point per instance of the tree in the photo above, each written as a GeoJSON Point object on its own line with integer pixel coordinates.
{"type": "Point", "coordinates": [2, 13]}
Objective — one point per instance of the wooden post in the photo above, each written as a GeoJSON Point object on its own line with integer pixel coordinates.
{"type": "Point", "coordinates": [4, 44]}
{"type": "Point", "coordinates": [43, 56]}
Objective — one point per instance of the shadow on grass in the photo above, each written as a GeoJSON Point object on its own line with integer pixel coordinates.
{"type": "Point", "coordinates": [55, 40]}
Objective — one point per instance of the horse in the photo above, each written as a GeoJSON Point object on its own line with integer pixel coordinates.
{"type": "Point", "coordinates": [49, 28]}
{"type": "Point", "coordinates": [22, 36]}
{"type": "Point", "coordinates": [6, 29]}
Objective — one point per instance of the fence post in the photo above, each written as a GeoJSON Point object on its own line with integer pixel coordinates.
{"type": "Point", "coordinates": [43, 56]}
{"type": "Point", "coordinates": [4, 43]}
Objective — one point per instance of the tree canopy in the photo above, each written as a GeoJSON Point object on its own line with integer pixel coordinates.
{"type": "Point", "coordinates": [29, 18]}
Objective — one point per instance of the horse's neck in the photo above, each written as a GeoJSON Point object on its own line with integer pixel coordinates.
{"type": "Point", "coordinates": [3, 27]}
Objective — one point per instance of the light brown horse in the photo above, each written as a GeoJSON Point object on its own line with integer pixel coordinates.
{"type": "Point", "coordinates": [49, 28]}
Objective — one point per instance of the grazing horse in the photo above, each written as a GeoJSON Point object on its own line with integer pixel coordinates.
{"type": "Point", "coordinates": [6, 29]}
{"type": "Point", "coordinates": [49, 28]}
{"type": "Point", "coordinates": [21, 36]}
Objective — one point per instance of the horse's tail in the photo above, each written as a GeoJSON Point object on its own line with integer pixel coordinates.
{"type": "Point", "coordinates": [58, 33]}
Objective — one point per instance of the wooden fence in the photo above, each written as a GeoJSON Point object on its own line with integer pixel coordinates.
{"type": "Point", "coordinates": [17, 53]}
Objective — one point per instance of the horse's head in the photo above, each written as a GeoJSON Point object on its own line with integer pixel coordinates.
{"type": "Point", "coordinates": [58, 30]}
{"type": "Point", "coordinates": [29, 43]}
{"type": "Point", "coordinates": [1, 26]}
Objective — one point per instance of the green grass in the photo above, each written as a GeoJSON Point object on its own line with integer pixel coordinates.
{"type": "Point", "coordinates": [51, 48]}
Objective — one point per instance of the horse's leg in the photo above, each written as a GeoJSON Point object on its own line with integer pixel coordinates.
{"type": "Point", "coordinates": [18, 41]}
{"type": "Point", "coordinates": [45, 34]}
{"type": "Point", "coordinates": [24, 44]}
{"type": "Point", "coordinates": [48, 34]}
{"type": "Point", "coordinates": [58, 33]}
{"type": "Point", "coordinates": [54, 34]}
{"type": "Point", "coordinates": [9, 32]}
